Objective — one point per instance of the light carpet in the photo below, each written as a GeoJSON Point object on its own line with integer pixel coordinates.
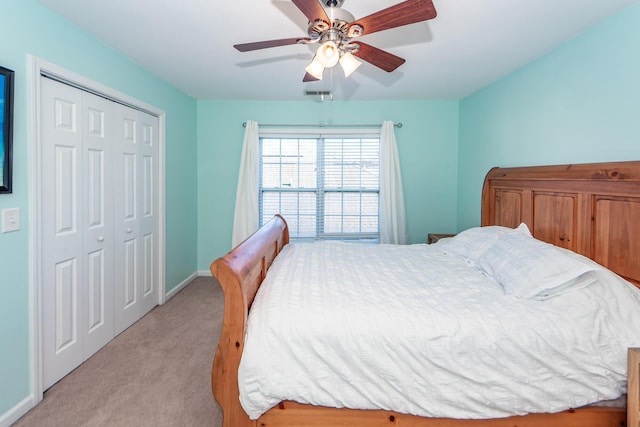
{"type": "Point", "coordinates": [156, 373]}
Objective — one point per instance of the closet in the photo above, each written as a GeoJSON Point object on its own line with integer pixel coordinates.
{"type": "Point", "coordinates": [98, 220]}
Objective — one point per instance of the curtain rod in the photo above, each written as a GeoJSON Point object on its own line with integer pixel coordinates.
{"type": "Point", "coordinates": [398, 125]}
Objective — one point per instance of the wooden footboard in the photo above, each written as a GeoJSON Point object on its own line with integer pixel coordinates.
{"type": "Point", "coordinates": [633, 395]}
{"type": "Point", "coordinates": [240, 274]}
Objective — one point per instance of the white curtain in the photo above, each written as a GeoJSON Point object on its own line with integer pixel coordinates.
{"type": "Point", "coordinates": [393, 226]}
{"type": "Point", "coordinates": [245, 218]}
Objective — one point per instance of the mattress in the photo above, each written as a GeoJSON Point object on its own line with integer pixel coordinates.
{"type": "Point", "coordinates": [416, 330]}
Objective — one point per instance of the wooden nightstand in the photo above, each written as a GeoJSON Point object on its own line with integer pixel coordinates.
{"type": "Point", "coordinates": [434, 237]}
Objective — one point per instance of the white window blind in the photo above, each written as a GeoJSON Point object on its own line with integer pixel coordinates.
{"type": "Point", "coordinates": [327, 186]}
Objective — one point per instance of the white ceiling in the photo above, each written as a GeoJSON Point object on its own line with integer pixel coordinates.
{"type": "Point", "coordinates": [470, 44]}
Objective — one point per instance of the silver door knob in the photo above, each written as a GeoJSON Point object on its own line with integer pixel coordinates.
{"type": "Point", "coordinates": [128, 230]}
{"type": "Point", "coordinates": [100, 238]}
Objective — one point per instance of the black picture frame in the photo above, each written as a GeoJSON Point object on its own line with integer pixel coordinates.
{"type": "Point", "coordinates": [6, 129]}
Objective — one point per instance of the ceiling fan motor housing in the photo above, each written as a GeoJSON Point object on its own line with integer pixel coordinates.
{"type": "Point", "coordinates": [340, 20]}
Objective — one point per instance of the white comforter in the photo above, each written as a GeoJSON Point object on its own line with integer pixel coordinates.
{"type": "Point", "coordinates": [417, 331]}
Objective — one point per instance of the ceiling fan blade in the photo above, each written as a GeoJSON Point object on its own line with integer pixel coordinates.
{"type": "Point", "coordinates": [246, 47]}
{"type": "Point", "coordinates": [405, 13]}
{"type": "Point", "coordinates": [378, 57]}
{"type": "Point", "coordinates": [312, 9]}
{"type": "Point", "coordinates": [309, 78]}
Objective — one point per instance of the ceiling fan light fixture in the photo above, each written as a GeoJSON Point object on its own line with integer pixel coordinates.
{"type": "Point", "coordinates": [349, 63]}
{"type": "Point", "coordinates": [328, 54]}
{"type": "Point", "coordinates": [315, 68]}
{"type": "Point", "coordinates": [333, 28]}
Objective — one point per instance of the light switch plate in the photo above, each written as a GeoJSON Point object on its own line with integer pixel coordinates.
{"type": "Point", "coordinates": [10, 220]}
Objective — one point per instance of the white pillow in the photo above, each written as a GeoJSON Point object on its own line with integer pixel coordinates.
{"type": "Point", "coordinates": [528, 268]}
{"type": "Point", "coordinates": [471, 243]}
{"type": "Point", "coordinates": [579, 282]}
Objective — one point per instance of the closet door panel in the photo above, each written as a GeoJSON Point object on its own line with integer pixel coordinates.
{"type": "Point", "coordinates": [148, 204]}
{"type": "Point", "coordinates": [97, 310]}
{"type": "Point", "coordinates": [136, 178]}
{"type": "Point", "coordinates": [61, 230]}
{"type": "Point", "coordinates": [127, 280]}
{"type": "Point", "coordinates": [130, 274]}
{"type": "Point", "coordinates": [66, 306]}
{"type": "Point", "coordinates": [98, 119]}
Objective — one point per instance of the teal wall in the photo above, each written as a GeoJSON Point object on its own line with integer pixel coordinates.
{"type": "Point", "coordinates": [28, 28]}
{"type": "Point", "coordinates": [427, 145]}
{"type": "Point", "coordinates": [578, 104]}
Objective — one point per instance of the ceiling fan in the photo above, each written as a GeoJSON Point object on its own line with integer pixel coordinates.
{"type": "Point", "coordinates": [335, 29]}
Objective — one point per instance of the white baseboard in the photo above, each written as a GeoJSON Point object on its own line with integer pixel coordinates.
{"type": "Point", "coordinates": [180, 286]}
{"type": "Point", "coordinates": [205, 273]}
{"type": "Point", "coordinates": [13, 414]}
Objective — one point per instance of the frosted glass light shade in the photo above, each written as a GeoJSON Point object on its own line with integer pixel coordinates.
{"type": "Point", "coordinates": [315, 68]}
{"type": "Point", "coordinates": [328, 54]}
{"type": "Point", "coordinates": [349, 63]}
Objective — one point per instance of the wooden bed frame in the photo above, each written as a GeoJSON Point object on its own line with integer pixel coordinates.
{"type": "Point", "coordinates": [592, 209]}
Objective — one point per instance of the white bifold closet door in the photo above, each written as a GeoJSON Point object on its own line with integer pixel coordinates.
{"type": "Point", "coordinates": [134, 216]}
{"type": "Point", "coordinates": [99, 222]}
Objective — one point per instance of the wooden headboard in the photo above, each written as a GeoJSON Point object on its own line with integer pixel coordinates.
{"type": "Point", "coordinates": [592, 209]}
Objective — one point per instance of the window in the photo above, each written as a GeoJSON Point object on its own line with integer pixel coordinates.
{"type": "Point", "coordinates": [326, 186]}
